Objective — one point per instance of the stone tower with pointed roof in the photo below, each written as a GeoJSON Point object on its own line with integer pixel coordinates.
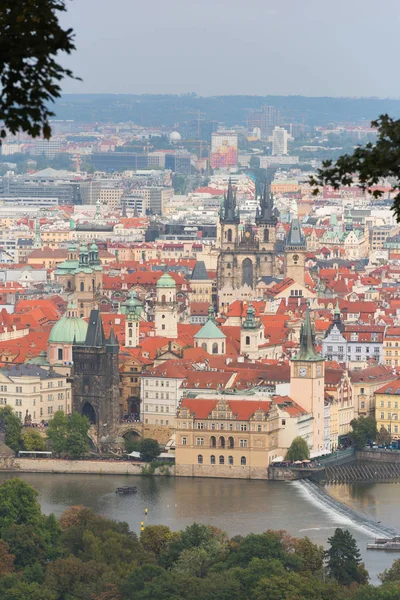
{"type": "Point", "coordinates": [295, 253]}
{"type": "Point", "coordinates": [200, 284]}
{"type": "Point", "coordinates": [247, 252]}
{"type": "Point", "coordinates": [307, 377]}
{"type": "Point", "coordinates": [95, 378]}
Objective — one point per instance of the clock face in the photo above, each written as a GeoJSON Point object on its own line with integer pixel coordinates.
{"type": "Point", "coordinates": [247, 234]}
{"type": "Point", "coordinates": [295, 258]}
{"type": "Point", "coordinates": [318, 371]}
{"type": "Point", "coordinates": [302, 371]}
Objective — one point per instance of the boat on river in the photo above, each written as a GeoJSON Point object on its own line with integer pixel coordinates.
{"type": "Point", "coordinates": [388, 544]}
{"type": "Point", "coordinates": [126, 490]}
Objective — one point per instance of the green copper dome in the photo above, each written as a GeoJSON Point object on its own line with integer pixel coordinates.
{"type": "Point", "coordinates": [166, 281]}
{"type": "Point", "coordinates": [94, 247]}
{"type": "Point", "coordinates": [69, 329]}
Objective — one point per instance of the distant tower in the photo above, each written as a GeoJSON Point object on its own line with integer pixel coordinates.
{"type": "Point", "coordinates": [200, 284]}
{"type": "Point", "coordinates": [295, 253]}
{"type": "Point", "coordinates": [95, 378]}
{"type": "Point", "coordinates": [123, 202]}
{"type": "Point", "coordinates": [251, 334]}
{"type": "Point", "coordinates": [132, 323]}
{"type": "Point", "coordinates": [307, 380]}
{"type": "Point", "coordinates": [37, 240]}
{"type": "Point", "coordinates": [166, 309]}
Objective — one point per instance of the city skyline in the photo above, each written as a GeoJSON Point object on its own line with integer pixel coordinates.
{"type": "Point", "coordinates": [278, 48]}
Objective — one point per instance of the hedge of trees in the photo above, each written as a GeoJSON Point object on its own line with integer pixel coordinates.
{"type": "Point", "coordinates": [83, 556]}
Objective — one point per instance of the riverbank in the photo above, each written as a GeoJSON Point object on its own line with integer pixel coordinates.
{"type": "Point", "coordinates": [76, 467]}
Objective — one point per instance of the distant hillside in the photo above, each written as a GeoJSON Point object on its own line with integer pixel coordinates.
{"type": "Point", "coordinates": [169, 109]}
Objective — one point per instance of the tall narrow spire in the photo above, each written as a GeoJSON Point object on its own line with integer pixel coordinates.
{"type": "Point", "coordinates": [265, 211]}
{"type": "Point", "coordinates": [229, 212]}
{"type": "Point", "coordinates": [95, 333]}
{"type": "Point", "coordinates": [307, 349]}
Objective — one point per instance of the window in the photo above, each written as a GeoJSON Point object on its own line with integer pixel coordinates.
{"type": "Point", "coordinates": [60, 354]}
{"type": "Point", "coordinates": [382, 415]}
{"type": "Point", "coordinates": [243, 427]}
{"type": "Point", "coordinates": [18, 402]}
{"type": "Point", "coordinates": [200, 459]}
{"type": "Point", "coordinates": [60, 384]}
{"type": "Point", "coordinates": [230, 460]}
{"type": "Point", "coordinates": [362, 404]}
{"type": "Point", "coordinates": [358, 349]}
{"type": "Point", "coordinates": [382, 403]}
{"type": "Point", "coordinates": [50, 410]}
{"type": "Point", "coordinates": [247, 340]}
{"type": "Point", "coordinates": [243, 443]}
{"type": "Point", "coordinates": [221, 460]}
{"type": "Point", "coordinates": [200, 425]}
{"type": "Point", "coordinates": [50, 397]}
{"type": "Point", "coordinates": [212, 459]}
{"type": "Point", "coordinates": [199, 441]}
{"type": "Point", "coordinates": [243, 461]}
{"type": "Point", "coordinates": [3, 388]}
{"type": "Point", "coordinates": [376, 350]}
{"type": "Point", "coordinates": [50, 384]}
{"type": "Point", "coordinates": [60, 396]}
{"type": "Point", "coordinates": [18, 390]}
{"type": "Point", "coordinates": [184, 441]}
{"type": "Point", "coordinates": [330, 348]}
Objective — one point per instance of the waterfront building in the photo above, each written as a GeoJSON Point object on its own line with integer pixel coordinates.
{"type": "Point", "coordinates": [226, 437]}
{"type": "Point", "coordinates": [387, 407]}
{"type": "Point", "coordinates": [34, 393]}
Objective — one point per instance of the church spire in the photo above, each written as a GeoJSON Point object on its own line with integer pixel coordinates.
{"type": "Point", "coordinates": [265, 212]}
{"type": "Point", "coordinates": [229, 211]}
{"type": "Point", "coordinates": [307, 349]}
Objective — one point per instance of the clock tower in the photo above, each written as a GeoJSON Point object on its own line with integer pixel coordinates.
{"type": "Point", "coordinates": [307, 378]}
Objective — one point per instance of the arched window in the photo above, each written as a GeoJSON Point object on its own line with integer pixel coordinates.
{"type": "Point", "coordinates": [266, 235]}
{"type": "Point", "coordinates": [200, 290]}
{"type": "Point", "coordinates": [215, 348]}
{"type": "Point", "coordinates": [247, 272]}
{"type": "Point", "coordinates": [222, 442]}
{"type": "Point", "coordinates": [221, 460]}
{"type": "Point", "coordinates": [60, 354]}
{"type": "Point", "coordinates": [163, 299]}
{"type": "Point", "coordinates": [247, 340]}
{"type": "Point", "coordinates": [82, 286]}
{"type": "Point", "coordinates": [130, 333]}
{"type": "Point", "coordinates": [200, 459]}
{"type": "Point", "coordinates": [213, 441]}
{"type": "Point", "coordinates": [230, 460]}
{"type": "Point", "coordinates": [243, 461]}
{"type": "Point", "coordinates": [68, 285]}
{"type": "Point", "coordinates": [231, 442]}
{"type": "Point", "coordinates": [81, 304]}
{"type": "Point", "coordinates": [93, 285]}
{"type": "Point", "coordinates": [229, 235]}
{"type": "Point", "coordinates": [204, 346]}
{"type": "Point", "coordinates": [212, 459]}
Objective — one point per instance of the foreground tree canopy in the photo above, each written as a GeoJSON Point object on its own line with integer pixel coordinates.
{"type": "Point", "coordinates": [86, 557]}
{"type": "Point", "coordinates": [31, 38]}
{"type": "Point", "coordinates": [368, 164]}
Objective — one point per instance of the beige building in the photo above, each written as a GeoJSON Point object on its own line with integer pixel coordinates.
{"type": "Point", "coordinates": [34, 393]}
{"type": "Point", "coordinates": [200, 284]}
{"type": "Point", "coordinates": [387, 407]}
{"type": "Point", "coordinates": [226, 438]}
{"type": "Point", "coordinates": [391, 347]}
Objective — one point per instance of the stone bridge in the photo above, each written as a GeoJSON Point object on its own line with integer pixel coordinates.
{"type": "Point", "coordinates": [124, 428]}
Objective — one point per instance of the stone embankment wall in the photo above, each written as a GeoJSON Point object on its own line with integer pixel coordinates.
{"type": "Point", "coordinates": [225, 472]}
{"type": "Point", "coordinates": [389, 456]}
{"type": "Point", "coordinates": [55, 465]}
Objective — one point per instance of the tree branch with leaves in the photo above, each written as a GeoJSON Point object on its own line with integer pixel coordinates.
{"type": "Point", "coordinates": [31, 39]}
{"type": "Point", "coordinates": [368, 165]}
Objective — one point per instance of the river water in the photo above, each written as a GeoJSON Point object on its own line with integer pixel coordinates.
{"type": "Point", "coordinates": [236, 506]}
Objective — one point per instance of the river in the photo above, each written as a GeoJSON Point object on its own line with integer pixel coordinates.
{"type": "Point", "coordinates": [236, 506]}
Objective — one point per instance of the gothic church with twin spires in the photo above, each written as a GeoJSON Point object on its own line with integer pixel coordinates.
{"type": "Point", "coordinates": [246, 252]}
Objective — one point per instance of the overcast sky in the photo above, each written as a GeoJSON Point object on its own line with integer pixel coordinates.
{"type": "Point", "coordinates": [213, 47]}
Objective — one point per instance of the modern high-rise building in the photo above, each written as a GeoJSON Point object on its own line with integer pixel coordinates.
{"type": "Point", "coordinates": [279, 141]}
{"type": "Point", "coordinates": [265, 118]}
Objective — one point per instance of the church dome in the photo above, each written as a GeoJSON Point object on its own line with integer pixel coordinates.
{"type": "Point", "coordinates": [94, 247]}
{"type": "Point", "coordinates": [68, 329]}
{"type": "Point", "coordinates": [166, 281]}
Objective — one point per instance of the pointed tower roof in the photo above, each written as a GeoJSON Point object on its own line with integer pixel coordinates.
{"type": "Point", "coordinates": [265, 212]}
{"type": "Point", "coordinates": [229, 212]}
{"type": "Point", "coordinates": [307, 349]}
{"type": "Point", "coordinates": [199, 272]}
{"type": "Point", "coordinates": [295, 238]}
{"type": "Point", "coordinates": [95, 333]}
